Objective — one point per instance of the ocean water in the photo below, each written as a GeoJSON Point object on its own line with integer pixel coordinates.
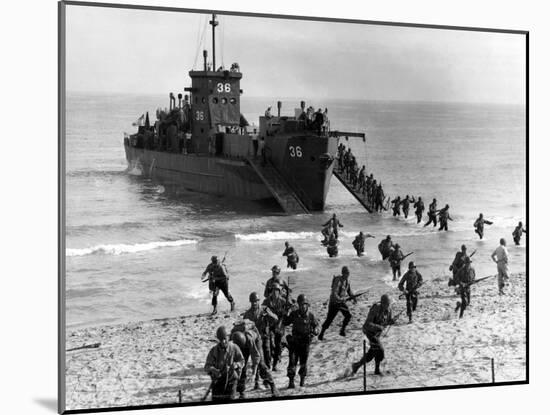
{"type": "Point", "coordinates": [136, 251]}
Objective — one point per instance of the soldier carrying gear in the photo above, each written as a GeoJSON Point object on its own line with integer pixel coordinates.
{"type": "Point", "coordinates": [444, 217]}
{"type": "Point", "coordinates": [419, 209]}
{"type": "Point", "coordinates": [396, 206]}
{"type": "Point", "coordinates": [385, 247]}
{"type": "Point", "coordinates": [432, 213]}
{"type": "Point", "coordinates": [395, 258]}
{"type": "Point", "coordinates": [334, 223]}
{"type": "Point", "coordinates": [406, 202]}
{"type": "Point", "coordinates": [518, 231]}
{"type": "Point", "coordinates": [379, 317]}
{"type": "Point", "coordinates": [410, 282]}
{"type": "Point", "coordinates": [263, 319]}
{"type": "Point", "coordinates": [276, 279]}
{"type": "Point", "coordinates": [304, 328]}
{"type": "Point", "coordinates": [277, 305]}
{"type": "Point", "coordinates": [340, 292]}
{"type": "Point", "coordinates": [246, 336]}
{"type": "Point", "coordinates": [292, 258]}
{"type": "Point", "coordinates": [458, 262]}
{"type": "Point", "coordinates": [218, 280]}
{"type": "Point", "coordinates": [479, 224]}
{"type": "Point", "coordinates": [466, 276]}
{"type": "Point", "coordinates": [223, 364]}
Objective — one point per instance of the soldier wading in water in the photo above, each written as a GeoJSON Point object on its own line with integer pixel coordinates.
{"type": "Point", "coordinates": [218, 280]}
{"type": "Point", "coordinates": [411, 281]}
{"type": "Point", "coordinates": [379, 317]}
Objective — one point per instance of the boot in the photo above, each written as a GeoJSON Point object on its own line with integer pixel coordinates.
{"type": "Point", "coordinates": [410, 318]}
{"type": "Point", "coordinates": [302, 380]}
{"type": "Point", "coordinates": [257, 386]}
{"type": "Point", "coordinates": [242, 395]}
{"type": "Point", "coordinates": [232, 305]}
{"type": "Point", "coordinates": [291, 383]}
{"type": "Point", "coordinates": [343, 332]}
{"type": "Point", "coordinates": [274, 390]}
{"type": "Point", "coordinates": [354, 368]}
{"type": "Point", "coordinates": [320, 337]}
{"type": "Point", "coordinates": [214, 310]}
{"type": "Point", "coordinates": [377, 369]}
{"type": "Point", "coordinates": [457, 306]}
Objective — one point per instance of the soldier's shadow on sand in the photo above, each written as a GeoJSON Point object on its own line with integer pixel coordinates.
{"type": "Point", "coordinates": [48, 403]}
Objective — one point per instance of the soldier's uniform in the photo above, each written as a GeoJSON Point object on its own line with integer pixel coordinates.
{"type": "Point", "coordinates": [395, 258]}
{"type": "Point", "coordinates": [465, 277]}
{"type": "Point", "coordinates": [274, 281]}
{"type": "Point", "coordinates": [359, 244]}
{"type": "Point", "coordinates": [227, 361]}
{"type": "Point", "coordinates": [444, 218]}
{"type": "Point", "coordinates": [341, 290]}
{"type": "Point", "coordinates": [419, 208]}
{"type": "Point", "coordinates": [432, 214]}
{"type": "Point", "coordinates": [278, 306]}
{"type": "Point", "coordinates": [218, 280]}
{"type": "Point", "coordinates": [291, 257]}
{"type": "Point", "coordinates": [304, 327]}
{"type": "Point", "coordinates": [385, 247]}
{"type": "Point", "coordinates": [410, 282]}
{"type": "Point", "coordinates": [377, 319]}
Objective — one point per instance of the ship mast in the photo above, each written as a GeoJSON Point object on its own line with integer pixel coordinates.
{"type": "Point", "coordinates": [214, 23]}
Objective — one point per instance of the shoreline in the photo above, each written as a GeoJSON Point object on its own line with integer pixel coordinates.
{"type": "Point", "coordinates": [149, 362]}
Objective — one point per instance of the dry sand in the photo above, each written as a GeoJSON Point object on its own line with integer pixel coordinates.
{"type": "Point", "coordinates": [147, 363]}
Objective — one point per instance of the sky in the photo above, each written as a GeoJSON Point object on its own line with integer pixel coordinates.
{"type": "Point", "coordinates": [151, 52]}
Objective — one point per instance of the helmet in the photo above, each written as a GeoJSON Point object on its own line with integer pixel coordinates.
{"type": "Point", "coordinates": [286, 243]}
{"type": "Point", "coordinates": [302, 299]}
{"type": "Point", "coordinates": [388, 237]}
{"type": "Point", "coordinates": [276, 269]}
{"type": "Point", "coordinates": [253, 297]}
{"type": "Point", "coordinates": [412, 265]}
{"type": "Point", "coordinates": [221, 333]}
{"type": "Point", "coordinates": [214, 258]}
{"type": "Point", "coordinates": [463, 247]}
{"type": "Point", "coordinates": [397, 246]}
{"type": "Point", "coordinates": [239, 338]}
{"type": "Point", "coordinates": [467, 260]}
{"type": "Point", "coordinates": [385, 299]}
{"type": "Point", "coordinates": [345, 270]}
{"type": "Point", "coordinates": [276, 286]}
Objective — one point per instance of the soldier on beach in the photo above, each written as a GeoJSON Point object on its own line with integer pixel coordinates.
{"type": "Point", "coordinates": [432, 213]}
{"type": "Point", "coordinates": [277, 305]}
{"type": "Point", "coordinates": [385, 247]}
{"type": "Point", "coordinates": [276, 280]}
{"type": "Point", "coordinates": [409, 284]}
{"type": "Point", "coordinates": [395, 258]}
{"type": "Point", "coordinates": [334, 223]}
{"type": "Point", "coordinates": [246, 336]}
{"type": "Point", "coordinates": [518, 231]}
{"type": "Point", "coordinates": [224, 363]}
{"type": "Point", "coordinates": [419, 209]}
{"type": "Point", "coordinates": [466, 276]}
{"type": "Point", "coordinates": [479, 224]}
{"type": "Point", "coordinates": [304, 328]}
{"type": "Point", "coordinates": [340, 293]}
{"type": "Point", "coordinates": [218, 280]}
{"type": "Point", "coordinates": [458, 262]}
{"type": "Point", "coordinates": [444, 218]}
{"type": "Point", "coordinates": [379, 317]}
{"type": "Point", "coordinates": [359, 242]}
{"type": "Point", "coordinates": [291, 256]}
{"type": "Point", "coordinates": [500, 257]}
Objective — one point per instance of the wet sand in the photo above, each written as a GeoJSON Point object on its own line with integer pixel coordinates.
{"type": "Point", "coordinates": [148, 363]}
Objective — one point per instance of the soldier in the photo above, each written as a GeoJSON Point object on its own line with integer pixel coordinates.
{"type": "Point", "coordinates": [380, 197]}
{"type": "Point", "coordinates": [334, 223]}
{"type": "Point", "coordinates": [332, 246]}
{"type": "Point", "coordinates": [479, 224]}
{"type": "Point", "coordinates": [326, 232]}
{"type": "Point", "coordinates": [395, 258]}
{"type": "Point", "coordinates": [396, 206]}
{"type": "Point", "coordinates": [263, 319]}
{"type": "Point", "coordinates": [518, 231]}
{"type": "Point", "coordinates": [379, 317]}
{"type": "Point", "coordinates": [458, 262]}
{"type": "Point", "coordinates": [304, 328]}
{"type": "Point", "coordinates": [223, 364]}
{"type": "Point", "coordinates": [218, 280]}
{"type": "Point", "coordinates": [406, 202]}
{"type": "Point", "coordinates": [500, 257]}
{"type": "Point", "coordinates": [466, 276]}
{"type": "Point", "coordinates": [444, 217]}
{"type": "Point", "coordinates": [385, 247]}
{"type": "Point", "coordinates": [419, 209]}
{"type": "Point", "coordinates": [359, 242]}
{"type": "Point", "coordinates": [276, 279]}
{"type": "Point", "coordinates": [340, 293]}
{"type": "Point", "coordinates": [291, 256]}
{"type": "Point", "coordinates": [432, 213]}
{"type": "Point", "coordinates": [277, 305]}
{"type": "Point", "coordinates": [410, 282]}
{"type": "Point", "coordinates": [246, 336]}
{"type": "Point", "coordinates": [361, 179]}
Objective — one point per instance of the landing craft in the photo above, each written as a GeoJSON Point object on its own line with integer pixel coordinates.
{"type": "Point", "coordinates": [201, 144]}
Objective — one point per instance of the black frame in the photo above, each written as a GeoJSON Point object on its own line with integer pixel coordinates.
{"type": "Point", "coordinates": [61, 197]}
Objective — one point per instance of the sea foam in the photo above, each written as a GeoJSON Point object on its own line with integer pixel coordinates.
{"type": "Point", "coordinates": [118, 249]}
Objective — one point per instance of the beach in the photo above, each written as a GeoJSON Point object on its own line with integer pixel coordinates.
{"type": "Point", "coordinates": [150, 362]}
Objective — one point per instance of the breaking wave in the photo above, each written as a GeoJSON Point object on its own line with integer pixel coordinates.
{"type": "Point", "coordinates": [275, 236]}
{"type": "Point", "coordinates": [118, 249]}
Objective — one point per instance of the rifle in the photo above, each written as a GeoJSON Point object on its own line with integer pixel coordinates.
{"type": "Point", "coordinates": [359, 294]}
{"type": "Point", "coordinates": [480, 279]}
{"type": "Point", "coordinates": [473, 253]}
{"type": "Point", "coordinates": [221, 263]}
{"type": "Point", "coordinates": [387, 329]}
{"type": "Point", "coordinates": [207, 391]}
{"type": "Point", "coordinates": [410, 253]}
